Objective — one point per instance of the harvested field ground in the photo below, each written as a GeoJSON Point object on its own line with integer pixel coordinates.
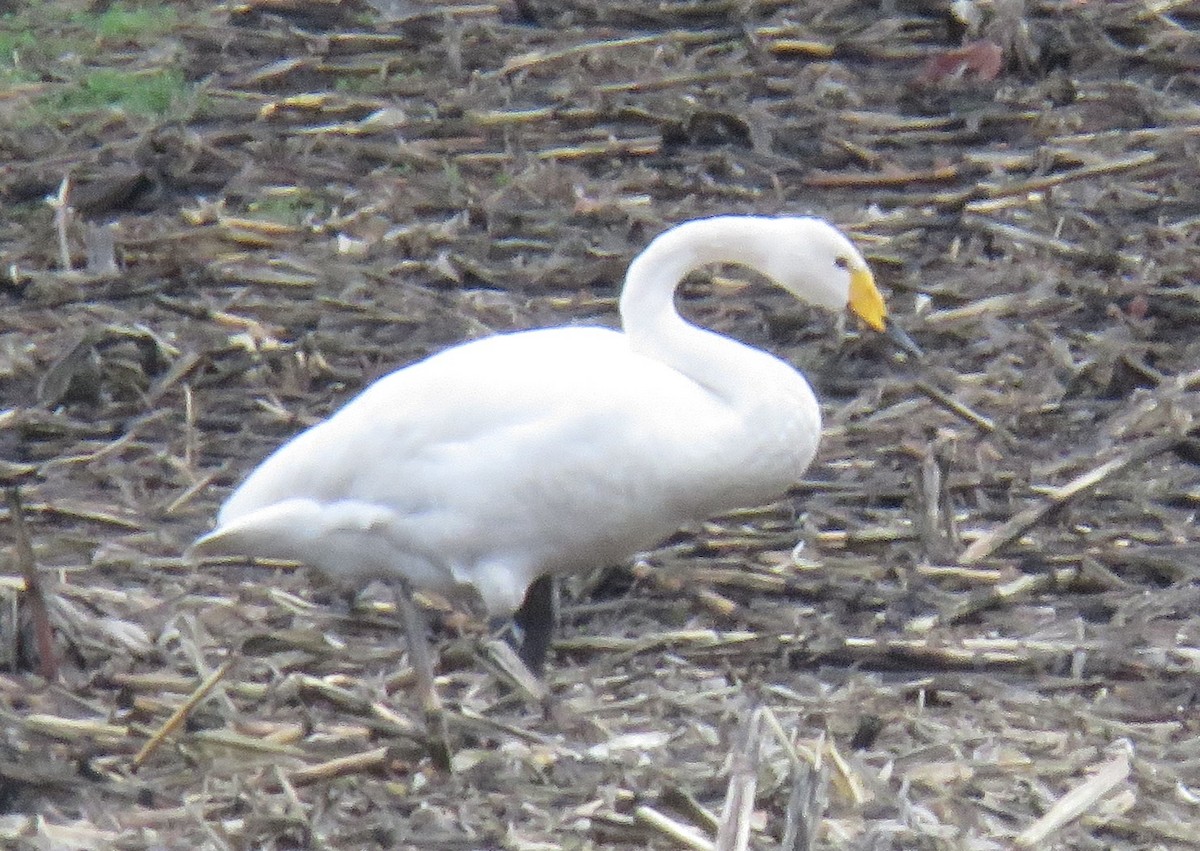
{"type": "Point", "coordinates": [976, 625]}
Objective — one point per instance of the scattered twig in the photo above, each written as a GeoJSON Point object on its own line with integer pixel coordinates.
{"type": "Point", "coordinates": [35, 593]}
{"type": "Point", "coordinates": [851, 180]}
{"type": "Point", "coordinates": [1076, 802]}
{"type": "Point", "coordinates": [181, 713]}
{"type": "Point", "coordinates": [956, 407]}
{"type": "Point", "coordinates": [684, 834]}
{"type": "Point", "coordinates": [60, 202]}
{"type": "Point", "coordinates": [250, 744]}
{"type": "Point", "coordinates": [645, 146]}
{"type": "Point", "coordinates": [1022, 521]}
{"type": "Point", "coordinates": [509, 665]}
{"type": "Point", "coordinates": [1024, 236]}
{"type": "Point", "coordinates": [75, 729]}
{"type": "Point", "coordinates": [788, 47]}
{"type": "Point", "coordinates": [805, 808]}
{"type": "Point", "coordinates": [373, 187]}
{"type": "Point", "coordinates": [734, 832]}
{"type": "Point", "coordinates": [1105, 168]}
{"type": "Point", "coordinates": [999, 595]}
{"type": "Point", "coordinates": [356, 763]}
{"type": "Point", "coordinates": [532, 60]}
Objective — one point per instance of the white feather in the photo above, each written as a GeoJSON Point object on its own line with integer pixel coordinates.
{"type": "Point", "coordinates": [558, 450]}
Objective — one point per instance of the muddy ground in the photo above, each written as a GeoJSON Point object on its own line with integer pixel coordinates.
{"type": "Point", "coordinates": [974, 626]}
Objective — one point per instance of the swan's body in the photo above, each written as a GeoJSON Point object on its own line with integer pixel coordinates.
{"type": "Point", "coordinates": [499, 461]}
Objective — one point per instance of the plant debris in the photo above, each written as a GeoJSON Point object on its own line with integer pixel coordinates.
{"type": "Point", "coordinates": [973, 626]}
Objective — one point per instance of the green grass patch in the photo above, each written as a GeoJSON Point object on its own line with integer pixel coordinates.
{"type": "Point", "coordinates": [124, 21]}
{"type": "Point", "coordinates": [360, 84]}
{"type": "Point", "coordinates": [287, 206]}
{"type": "Point", "coordinates": [138, 92]}
{"type": "Point", "coordinates": [10, 76]}
{"type": "Point", "coordinates": [13, 42]}
{"type": "Point", "coordinates": [52, 33]}
{"type": "Point", "coordinates": [64, 46]}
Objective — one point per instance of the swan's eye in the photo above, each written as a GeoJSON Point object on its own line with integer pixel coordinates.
{"type": "Point", "coordinates": [842, 263]}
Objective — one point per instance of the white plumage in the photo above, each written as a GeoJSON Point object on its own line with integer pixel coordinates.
{"type": "Point", "coordinates": [501, 460]}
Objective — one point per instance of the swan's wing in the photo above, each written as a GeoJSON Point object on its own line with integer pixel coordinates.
{"type": "Point", "coordinates": [472, 412]}
{"type": "Point", "coordinates": [517, 454]}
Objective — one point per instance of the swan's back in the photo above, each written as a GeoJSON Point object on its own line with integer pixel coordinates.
{"type": "Point", "coordinates": [494, 462]}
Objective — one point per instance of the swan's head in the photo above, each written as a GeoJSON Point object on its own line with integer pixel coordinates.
{"type": "Point", "coordinates": [815, 262]}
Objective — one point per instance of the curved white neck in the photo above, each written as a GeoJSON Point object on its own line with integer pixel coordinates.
{"type": "Point", "coordinates": [775, 420]}
{"type": "Point", "coordinates": [653, 325]}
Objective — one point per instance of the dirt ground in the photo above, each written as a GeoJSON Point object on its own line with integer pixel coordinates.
{"type": "Point", "coordinates": [974, 626]}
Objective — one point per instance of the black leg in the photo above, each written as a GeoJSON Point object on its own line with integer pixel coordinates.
{"type": "Point", "coordinates": [535, 622]}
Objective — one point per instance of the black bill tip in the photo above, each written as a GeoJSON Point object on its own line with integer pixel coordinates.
{"type": "Point", "coordinates": [901, 339]}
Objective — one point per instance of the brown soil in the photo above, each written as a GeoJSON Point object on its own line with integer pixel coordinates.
{"type": "Point", "coordinates": [989, 637]}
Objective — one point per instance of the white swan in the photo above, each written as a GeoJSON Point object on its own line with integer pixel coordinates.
{"type": "Point", "coordinates": [519, 456]}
